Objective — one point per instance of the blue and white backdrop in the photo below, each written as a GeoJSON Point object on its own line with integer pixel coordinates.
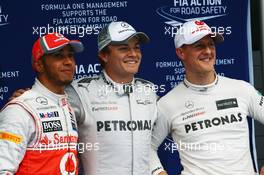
{"type": "Point", "coordinates": [22, 22]}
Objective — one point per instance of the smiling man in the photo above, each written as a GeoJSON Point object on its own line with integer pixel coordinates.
{"type": "Point", "coordinates": [123, 107]}
{"type": "Point", "coordinates": [40, 125]}
{"type": "Point", "coordinates": [206, 114]}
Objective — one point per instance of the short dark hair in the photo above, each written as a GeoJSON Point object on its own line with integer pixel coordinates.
{"type": "Point", "coordinates": [104, 50]}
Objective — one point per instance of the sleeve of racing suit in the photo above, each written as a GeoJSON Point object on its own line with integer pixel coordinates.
{"type": "Point", "coordinates": [87, 146]}
{"type": "Point", "coordinates": [16, 130]}
{"type": "Point", "coordinates": [75, 102]}
{"type": "Point", "coordinates": [256, 104]}
{"type": "Point", "coordinates": [160, 131]}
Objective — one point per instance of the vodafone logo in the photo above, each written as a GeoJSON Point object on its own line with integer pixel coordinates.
{"type": "Point", "coordinates": [68, 164]}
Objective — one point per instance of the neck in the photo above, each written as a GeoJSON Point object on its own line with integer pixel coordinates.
{"type": "Point", "coordinates": [201, 78]}
{"type": "Point", "coordinates": [120, 79]}
{"type": "Point", "coordinates": [55, 88]}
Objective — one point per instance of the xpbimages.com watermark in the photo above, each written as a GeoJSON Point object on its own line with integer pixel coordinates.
{"type": "Point", "coordinates": [81, 147]}
{"type": "Point", "coordinates": [128, 88]}
{"type": "Point", "coordinates": [81, 31]}
{"type": "Point", "coordinates": [208, 147]}
{"type": "Point", "coordinates": [172, 31]}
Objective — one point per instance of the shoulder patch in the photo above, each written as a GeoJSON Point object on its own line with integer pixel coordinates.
{"type": "Point", "coordinates": [143, 81]}
{"type": "Point", "coordinates": [87, 80]}
{"type": "Point", "coordinates": [17, 139]}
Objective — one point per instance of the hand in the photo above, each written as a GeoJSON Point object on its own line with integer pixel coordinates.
{"type": "Point", "coordinates": [165, 173]}
{"type": "Point", "coordinates": [262, 171]}
{"type": "Point", "coordinates": [17, 93]}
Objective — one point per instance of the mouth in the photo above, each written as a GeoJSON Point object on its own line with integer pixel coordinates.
{"type": "Point", "coordinates": [205, 59]}
{"type": "Point", "coordinates": [67, 71]}
{"type": "Point", "coordinates": [131, 62]}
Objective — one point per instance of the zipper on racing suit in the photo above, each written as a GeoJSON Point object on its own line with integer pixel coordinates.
{"type": "Point", "coordinates": [128, 89]}
{"type": "Point", "coordinates": [67, 117]}
{"type": "Point", "coordinates": [132, 133]}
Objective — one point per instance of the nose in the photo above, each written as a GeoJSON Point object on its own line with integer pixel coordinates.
{"type": "Point", "coordinates": [208, 50]}
{"type": "Point", "coordinates": [68, 59]}
{"type": "Point", "coordinates": [133, 52]}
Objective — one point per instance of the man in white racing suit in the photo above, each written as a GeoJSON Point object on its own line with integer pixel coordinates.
{"type": "Point", "coordinates": [38, 130]}
{"type": "Point", "coordinates": [206, 114]}
{"type": "Point", "coordinates": [123, 107]}
{"type": "Point", "coordinates": [124, 122]}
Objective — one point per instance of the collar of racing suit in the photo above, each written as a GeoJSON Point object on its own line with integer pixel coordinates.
{"type": "Point", "coordinates": [119, 88]}
{"type": "Point", "coordinates": [201, 88]}
{"type": "Point", "coordinates": [39, 87]}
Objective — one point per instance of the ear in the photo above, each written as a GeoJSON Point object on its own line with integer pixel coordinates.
{"type": "Point", "coordinates": [38, 66]}
{"type": "Point", "coordinates": [103, 56]}
{"type": "Point", "coordinates": [180, 53]}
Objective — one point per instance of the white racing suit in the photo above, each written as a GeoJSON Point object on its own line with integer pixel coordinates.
{"type": "Point", "coordinates": [38, 134]}
{"type": "Point", "coordinates": [209, 126]}
{"type": "Point", "coordinates": [124, 120]}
